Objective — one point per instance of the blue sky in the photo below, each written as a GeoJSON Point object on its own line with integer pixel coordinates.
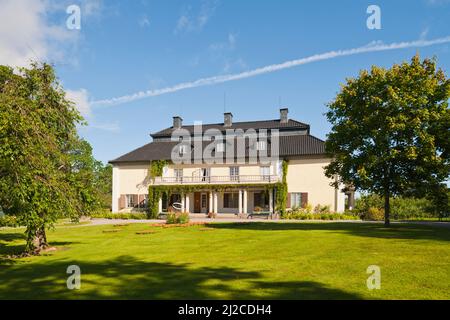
{"type": "Point", "coordinates": [124, 47]}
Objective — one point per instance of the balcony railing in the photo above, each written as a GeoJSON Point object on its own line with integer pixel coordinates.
{"type": "Point", "coordinates": [218, 179]}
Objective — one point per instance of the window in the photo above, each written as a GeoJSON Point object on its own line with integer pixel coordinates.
{"type": "Point", "coordinates": [220, 147]}
{"type": "Point", "coordinates": [205, 173]}
{"type": "Point", "coordinates": [231, 200]}
{"type": "Point", "coordinates": [296, 200]}
{"type": "Point", "coordinates": [234, 173]}
{"type": "Point", "coordinates": [130, 200]}
{"type": "Point", "coordinates": [265, 172]}
{"type": "Point", "coordinates": [178, 175]}
{"type": "Point", "coordinates": [261, 145]}
{"type": "Point", "coordinates": [146, 201]}
{"type": "Point", "coordinates": [203, 200]}
{"type": "Point", "coordinates": [261, 199]}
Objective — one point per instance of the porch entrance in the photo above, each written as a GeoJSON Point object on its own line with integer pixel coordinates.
{"type": "Point", "coordinates": [201, 204]}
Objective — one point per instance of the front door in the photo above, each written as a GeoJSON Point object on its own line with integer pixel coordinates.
{"type": "Point", "coordinates": [204, 203]}
{"type": "Point", "coordinates": [197, 202]}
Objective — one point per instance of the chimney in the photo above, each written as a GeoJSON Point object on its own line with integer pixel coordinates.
{"type": "Point", "coordinates": [177, 122]}
{"type": "Point", "coordinates": [227, 119]}
{"type": "Point", "coordinates": [284, 115]}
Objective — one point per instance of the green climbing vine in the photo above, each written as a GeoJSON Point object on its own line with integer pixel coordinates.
{"type": "Point", "coordinates": [156, 167]}
{"type": "Point", "coordinates": [282, 190]}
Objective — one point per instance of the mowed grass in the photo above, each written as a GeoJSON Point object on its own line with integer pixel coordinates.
{"type": "Point", "coordinates": [232, 261]}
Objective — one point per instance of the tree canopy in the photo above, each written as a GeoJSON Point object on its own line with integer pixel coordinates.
{"type": "Point", "coordinates": [390, 130]}
{"type": "Point", "coordinates": [45, 168]}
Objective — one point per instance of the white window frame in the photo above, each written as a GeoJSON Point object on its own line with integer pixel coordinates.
{"type": "Point", "coordinates": [178, 174]}
{"type": "Point", "coordinates": [261, 145]}
{"type": "Point", "coordinates": [130, 200]}
{"type": "Point", "coordinates": [234, 173]}
{"type": "Point", "coordinates": [265, 172]}
{"type": "Point", "coordinates": [296, 200]}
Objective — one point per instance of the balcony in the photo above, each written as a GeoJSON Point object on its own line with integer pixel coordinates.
{"type": "Point", "coordinates": [239, 179]}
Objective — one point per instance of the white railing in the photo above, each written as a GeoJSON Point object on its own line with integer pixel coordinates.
{"type": "Point", "coordinates": [218, 179]}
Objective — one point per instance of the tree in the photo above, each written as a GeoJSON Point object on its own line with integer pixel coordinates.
{"type": "Point", "coordinates": [44, 167]}
{"type": "Point", "coordinates": [390, 130]}
{"type": "Point", "coordinates": [103, 184]}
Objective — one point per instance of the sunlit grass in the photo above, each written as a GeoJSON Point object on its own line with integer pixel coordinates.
{"type": "Point", "coordinates": [240, 261]}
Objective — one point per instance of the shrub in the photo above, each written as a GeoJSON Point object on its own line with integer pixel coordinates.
{"type": "Point", "coordinates": [183, 217]}
{"type": "Point", "coordinates": [374, 214]}
{"type": "Point", "coordinates": [177, 218]}
{"type": "Point", "coordinates": [322, 209]}
{"type": "Point", "coordinates": [171, 218]}
{"type": "Point", "coordinates": [8, 221]}
{"type": "Point", "coordinates": [402, 208]}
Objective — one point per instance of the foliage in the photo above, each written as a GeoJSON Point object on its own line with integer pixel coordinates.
{"type": "Point", "coordinates": [157, 167]}
{"type": "Point", "coordinates": [390, 130]}
{"type": "Point", "coordinates": [103, 184]}
{"type": "Point", "coordinates": [45, 168]}
{"type": "Point", "coordinates": [282, 190]}
{"type": "Point", "coordinates": [374, 214]}
{"type": "Point", "coordinates": [177, 218]}
{"type": "Point", "coordinates": [322, 209]}
{"type": "Point", "coordinates": [8, 221]}
{"type": "Point", "coordinates": [439, 195]}
{"type": "Point", "coordinates": [301, 215]}
{"type": "Point", "coordinates": [121, 215]}
{"type": "Point", "coordinates": [403, 208]}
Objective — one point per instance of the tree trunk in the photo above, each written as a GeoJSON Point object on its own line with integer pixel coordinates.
{"type": "Point", "coordinates": [37, 241]}
{"type": "Point", "coordinates": [387, 207]}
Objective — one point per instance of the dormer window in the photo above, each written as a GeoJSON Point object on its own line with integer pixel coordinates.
{"type": "Point", "coordinates": [261, 145]}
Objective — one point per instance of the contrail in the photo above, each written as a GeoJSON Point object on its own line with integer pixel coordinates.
{"type": "Point", "coordinates": [371, 47]}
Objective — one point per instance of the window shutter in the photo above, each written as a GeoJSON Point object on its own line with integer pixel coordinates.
{"type": "Point", "coordinates": [304, 199]}
{"type": "Point", "coordinates": [135, 200]}
{"type": "Point", "coordinates": [288, 200]}
{"type": "Point", "coordinates": [122, 202]}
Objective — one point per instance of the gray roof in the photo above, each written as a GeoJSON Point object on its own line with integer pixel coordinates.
{"type": "Point", "coordinates": [265, 124]}
{"type": "Point", "coordinates": [289, 146]}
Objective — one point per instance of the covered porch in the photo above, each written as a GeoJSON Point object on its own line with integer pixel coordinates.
{"type": "Point", "coordinates": [235, 201]}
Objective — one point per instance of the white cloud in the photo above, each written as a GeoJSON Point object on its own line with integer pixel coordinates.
{"type": "Point", "coordinates": [194, 22]}
{"type": "Point", "coordinates": [372, 47]}
{"type": "Point", "coordinates": [81, 100]}
{"type": "Point", "coordinates": [27, 34]}
{"type": "Point", "coordinates": [144, 21]}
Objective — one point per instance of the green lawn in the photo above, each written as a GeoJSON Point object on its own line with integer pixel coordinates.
{"type": "Point", "coordinates": [239, 261]}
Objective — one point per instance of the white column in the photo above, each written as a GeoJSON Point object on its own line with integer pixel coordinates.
{"type": "Point", "coordinates": [211, 202]}
{"type": "Point", "coordinates": [186, 202]}
{"type": "Point", "coordinates": [215, 202]}
{"type": "Point", "coordinates": [244, 209]}
{"type": "Point", "coordinates": [182, 202]}
{"type": "Point", "coordinates": [160, 205]}
{"type": "Point", "coordinates": [115, 189]}
{"type": "Point", "coordinates": [271, 201]}
{"type": "Point", "coordinates": [240, 201]}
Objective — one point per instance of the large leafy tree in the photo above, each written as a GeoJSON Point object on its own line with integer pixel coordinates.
{"type": "Point", "coordinates": [390, 130]}
{"type": "Point", "coordinates": [45, 168]}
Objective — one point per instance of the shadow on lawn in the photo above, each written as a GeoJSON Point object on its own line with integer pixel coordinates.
{"type": "Point", "coordinates": [128, 278]}
{"type": "Point", "coordinates": [376, 230]}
